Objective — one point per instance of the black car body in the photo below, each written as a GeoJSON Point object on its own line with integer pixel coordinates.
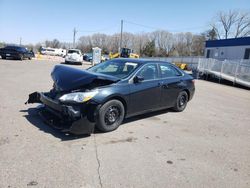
{"type": "Point", "coordinates": [16, 52]}
{"type": "Point", "coordinates": [107, 93]}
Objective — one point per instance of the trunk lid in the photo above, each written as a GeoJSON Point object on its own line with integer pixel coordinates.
{"type": "Point", "coordinates": [66, 78]}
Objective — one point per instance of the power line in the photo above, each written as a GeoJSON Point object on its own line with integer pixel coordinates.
{"type": "Point", "coordinates": [152, 27]}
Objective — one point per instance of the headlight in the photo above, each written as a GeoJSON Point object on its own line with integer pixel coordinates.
{"type": "Point", "coordinates": [79, 97]}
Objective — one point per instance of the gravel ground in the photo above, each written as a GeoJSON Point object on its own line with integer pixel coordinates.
{"type": "Point", "coordinates": [207, 145]}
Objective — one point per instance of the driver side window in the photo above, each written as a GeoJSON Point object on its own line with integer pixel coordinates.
{"type": "Point", "coordinates": [148, 72]}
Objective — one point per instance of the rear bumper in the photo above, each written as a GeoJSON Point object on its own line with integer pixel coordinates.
{"type": "Point", "coordinates": [11, 55]}
{"type": "Point", "coordinates": [68, 118]}
{"type": "Point", "coordinates": [72, 60]}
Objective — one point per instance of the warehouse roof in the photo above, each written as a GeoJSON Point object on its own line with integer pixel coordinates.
{"type": "Point", "coordinates": [243, 41]}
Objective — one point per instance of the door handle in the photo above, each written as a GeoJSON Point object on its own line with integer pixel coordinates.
{"type": "Point", "coordinates": [165, 86]}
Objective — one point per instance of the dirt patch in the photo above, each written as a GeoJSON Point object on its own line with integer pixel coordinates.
{"type": "Point", "coordinates": [32, 183]}
{"type": "Point", "coordinates": [154, 118]}
{"type": "Point", "coordinates": [4, 141]}
{"type": "Point", "coordinates": [129, 139]}
{"type": "Point", "coordinates": [170, 162]}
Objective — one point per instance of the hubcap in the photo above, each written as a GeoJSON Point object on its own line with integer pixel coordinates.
{"type": "Point", "coordinates": [112, 115]}
{"type": "Point", "coordinates": [182, 100]}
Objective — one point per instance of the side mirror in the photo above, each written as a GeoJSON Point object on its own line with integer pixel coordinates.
{"type": "Point", "coordinates": [138, 79]}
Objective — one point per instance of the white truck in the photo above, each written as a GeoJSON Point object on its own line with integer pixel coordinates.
{"type": "Point", "coordinates": [53, 51]}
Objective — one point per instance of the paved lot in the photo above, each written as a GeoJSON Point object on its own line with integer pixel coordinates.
{"type": "Point", "coordinates": [207, 145]}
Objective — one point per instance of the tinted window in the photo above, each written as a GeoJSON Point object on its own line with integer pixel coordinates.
{"type": "Point", "coordinates": [169, 71]}
{"type": "Point", "coordinates": [148, 72]}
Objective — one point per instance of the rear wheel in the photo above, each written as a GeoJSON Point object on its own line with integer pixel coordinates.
{"type": "Point", "coordinates": [3, 57]}
{"type": "Point", "coordinates": [181, 101]}
{"type": "Point", "coordinates": [110, 116]}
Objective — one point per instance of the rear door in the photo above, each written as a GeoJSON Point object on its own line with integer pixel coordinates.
{"type": "Point", "coordinates": [171, 84]}
{"type": "Point", "coordinates": [146, 94]}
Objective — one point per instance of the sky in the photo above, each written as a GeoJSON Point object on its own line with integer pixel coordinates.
{"type": "Point", "coordinates": [39, 20]}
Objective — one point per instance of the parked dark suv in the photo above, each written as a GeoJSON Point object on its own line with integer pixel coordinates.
{"type": "Point", "coordinates": [15, 52]}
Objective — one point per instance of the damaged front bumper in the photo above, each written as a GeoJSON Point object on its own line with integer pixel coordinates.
{"type": "Point", "coordinates": [76, 119]}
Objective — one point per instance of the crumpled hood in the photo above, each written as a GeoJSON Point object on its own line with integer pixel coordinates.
{"type": "Point", "coordinates": [66, 78]}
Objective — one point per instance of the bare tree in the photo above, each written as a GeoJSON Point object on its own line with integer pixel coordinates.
{"type": "Point", "coordinates": [232, 24]}
{"type": "Point", "coordinates": [53, 44]}
{"type": "Point", "coordinates": [164, 42]}
{"type": "Point", "coordinates": [198, 45]}
{"type": "Point", "coordinates": [140, 41]}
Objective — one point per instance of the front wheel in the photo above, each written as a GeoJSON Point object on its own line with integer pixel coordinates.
{"type": "Point", "coordinates": [110, 116]}
{"type": "Point", "coordinates": [181, 101]}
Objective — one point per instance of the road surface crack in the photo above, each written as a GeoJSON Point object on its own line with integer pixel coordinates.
{"type": "Point", "coordinates": [98, 162]}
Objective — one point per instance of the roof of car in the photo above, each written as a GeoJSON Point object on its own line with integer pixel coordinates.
{"type": "Point", "coordinates": [141, 61]}
{"type": "Point", "coordinates": [75, 49]}
{"type": "Point", "coordinates": [13, 46]}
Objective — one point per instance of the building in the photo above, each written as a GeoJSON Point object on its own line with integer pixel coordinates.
{"type": "Point", "coordinates": [236, 48]}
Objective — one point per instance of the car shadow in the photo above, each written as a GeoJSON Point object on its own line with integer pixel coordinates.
{"type": "Point", "coordinates": [141, 117]}
{"type": "Point", "coordinates": [33, 117]}
{"type": "Point", "coordinates": [147, 115]}
{"type": "Point", "coordinates": [223, 82]}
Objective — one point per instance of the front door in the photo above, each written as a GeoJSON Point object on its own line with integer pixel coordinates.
{"type": "Point", "coordinates": [145, 95]}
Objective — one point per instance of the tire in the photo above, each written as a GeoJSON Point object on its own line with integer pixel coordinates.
{"type": "Point", "coordinates": [30, 58]}
{"type": "Point", "coordinates": [3, 57]}
{"type": "Point", "coordinates": [110, 116]}
{"type": "Point", "coordinates": [181, 101]}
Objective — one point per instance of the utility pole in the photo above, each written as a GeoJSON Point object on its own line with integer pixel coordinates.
{"type": "Point", "coordinates": [74, 37]}
{"type": "Point", "coordinates": [20, 41]}
{"type": "Point", "coordinates": [120, 47]}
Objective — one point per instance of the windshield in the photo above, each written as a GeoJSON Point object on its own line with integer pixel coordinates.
{"type": "Point", "coordinates": [120, 69]}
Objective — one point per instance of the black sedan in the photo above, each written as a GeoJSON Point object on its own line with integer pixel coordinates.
{"type": "Point", "coordinates": [105, 94]}
{"type": "Point", "coordinates": [16, 52]}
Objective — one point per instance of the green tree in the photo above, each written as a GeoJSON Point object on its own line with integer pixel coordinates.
{"type": "Point", "coordinates": [149, 49]}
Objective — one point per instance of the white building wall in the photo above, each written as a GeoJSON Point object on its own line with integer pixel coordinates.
{"type": "Point", "coordinates": [227, 52]}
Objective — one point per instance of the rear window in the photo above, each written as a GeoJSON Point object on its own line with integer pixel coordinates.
{"type": "Point", "coordinates": [169, 71]}
{"type": "Point", "coordinates": [73, 51]}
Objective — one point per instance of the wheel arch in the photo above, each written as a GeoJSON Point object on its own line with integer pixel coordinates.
{"type": "Point", "coordinates": [188, 93]}
{"type": "Point", "coordinates": [119, 98]}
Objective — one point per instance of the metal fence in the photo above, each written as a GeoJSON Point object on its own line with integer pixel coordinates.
{"type": "Point", "coordinates": [236, 71]}
{"type": "Point", "coordinates": [191, 61]}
